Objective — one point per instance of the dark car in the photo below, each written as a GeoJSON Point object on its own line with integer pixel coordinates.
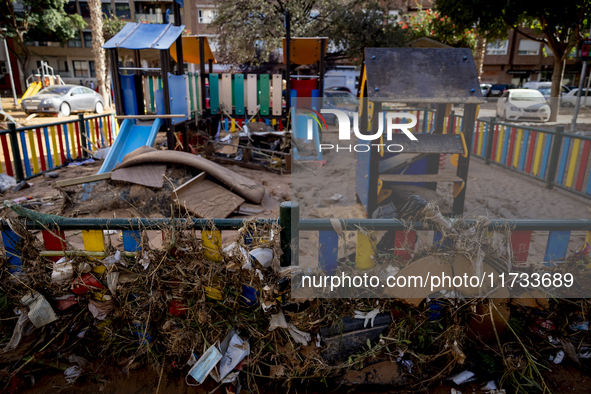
{"type": "Point", "coordinates": [344, 101]}
{"type": "Point", "coordinates": [338, 89]}
{"type": "Point", "coordinates": [498, 90]}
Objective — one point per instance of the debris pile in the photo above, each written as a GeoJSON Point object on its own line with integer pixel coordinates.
{"type": "Point", "coordinates": [224, 315]}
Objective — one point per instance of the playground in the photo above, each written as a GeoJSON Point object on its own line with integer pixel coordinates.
{"type": "Point", "coordinates": [181, 227]}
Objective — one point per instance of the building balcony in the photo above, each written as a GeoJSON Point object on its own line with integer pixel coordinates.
{"type": "Point", "coordinates": [153, 18]}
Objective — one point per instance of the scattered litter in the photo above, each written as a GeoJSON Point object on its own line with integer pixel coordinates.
{"type": "Point", "coordinates": [204, 365]}
{"type": "Point", "coordinates": [73, 373]}
{"type": "Point", "coordinates": [6, 182]}
{"type": "Point", "coordinates": [558, 358]}
{"type": "Point", "coordinates": [338, 198]}
{"type": "Point", "coordinates": [100, 310]}
{"type": "Point", "coordinates": [40, 311]}
{"type": "Point", "coordinates": [299, 336]}
{"type": "Point", "coordinates": [81, 162]}
{"type": "Point", "coordinates": [101, 154]}
{"type": "Point", "coordinates": [62, 271]}
{"type": "Point", "coordinates": [21, 185]}
{"type": "Point", "coordinates": [367, 316]}
{"type": "Point", "coordinates": [51, 175]}
{"type": "Point", "coordinates": [237, 350]}
{"type": "Point", "coordinates": [277, 320]}
{"type": "Point", "coordinates": [264, 256]}
{"type": "Point", "coordinates": [462, 377]}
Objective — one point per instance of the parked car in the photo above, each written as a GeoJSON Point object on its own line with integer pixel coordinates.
{"type": "Point", "coordinates": [544, 86]}
{"type": "Point", "coordinates": [338, 89]}
{"type": "Point", "coordinates": [345, 101]}
{"type": "Point", "coordinates": [484, 88]}
{"type": "Point", "coordinates": [523, 104]}
{"type": "Point", "coordinates": [498, 90]}
{"type": "Point", "coordinates": [63, 100]}
{"type": "Point", "coordinates": [570, 99]}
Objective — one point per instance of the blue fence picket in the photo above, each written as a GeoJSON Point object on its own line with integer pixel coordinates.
{"type": "Point", "coordinates": [557, 245]}
{"type": "Point", "coordinates": [524, 149]}
{"type": "Point", "coordinates": [563, 157]}
{"type": "Point", "coordinates": [131, 240]}
{"type": "Point", "coordinates": [328, 251]}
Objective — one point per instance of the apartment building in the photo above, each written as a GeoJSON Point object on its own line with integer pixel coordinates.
{"type": "Point", "coordinates": [519, 59]}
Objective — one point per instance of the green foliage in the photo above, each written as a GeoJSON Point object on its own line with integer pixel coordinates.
{"type": "Point", "coordinates": [251, 31]}
{"type": "Point", "coordinates": [432, 24]}
{"type": "Point", "coordinates": [561, 23]}
{"type": "Point", "coordinates": [111, 26]}
{"type": "Point", "coordinates": [39, 19]}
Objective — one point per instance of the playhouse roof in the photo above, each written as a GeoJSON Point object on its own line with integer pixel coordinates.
{"type": "Point", "coordinates": [304, 50]}
{"type": "Point", "coordinates": [426, 75]}
{"type": "Point", "coordinates": [145, 36]}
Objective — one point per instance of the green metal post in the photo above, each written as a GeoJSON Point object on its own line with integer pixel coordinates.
{"type": "Point", "coordinates": [489, 140]}
{"type": "Point", "coordinates": [82, 130]}
{"type": "Point", "coordinates": [551, 175]}
{"type": "Point", "coordinates": [16, 153]}
{"type": "Point", "coordinates": [289, 219]}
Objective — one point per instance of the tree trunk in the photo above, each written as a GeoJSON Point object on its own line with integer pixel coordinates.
{"type": "Point", "coordinates": [96, 24]}
{"type": "Point", "coordinates": [556, 88]}
{"type": "Point", "coordinates": [479, 55]}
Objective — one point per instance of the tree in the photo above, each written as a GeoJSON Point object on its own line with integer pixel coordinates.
{"type": "Point", "coordinates": [429, 23]}
{"type": "Point", "coordinates": [37, 20]}
{"type": "Point", "coordinates": [560, 23]}
{"type": "Point", "coordinates": [96, 24]}
{"type": "Point", "coordinates": [249, 31]}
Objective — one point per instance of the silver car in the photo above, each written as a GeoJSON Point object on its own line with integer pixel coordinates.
{"type": "Point", "coordinates": [63, 100]}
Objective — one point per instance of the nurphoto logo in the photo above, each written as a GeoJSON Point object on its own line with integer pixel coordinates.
{"type": "Point", "coordinates": [345, 130]}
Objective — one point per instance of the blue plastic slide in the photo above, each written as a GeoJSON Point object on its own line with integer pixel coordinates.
{"type": "Point", "coordinates": [131, 136]}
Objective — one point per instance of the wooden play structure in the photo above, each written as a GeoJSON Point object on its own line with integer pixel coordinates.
{"type": "Point", "coordinates": [435, 77]}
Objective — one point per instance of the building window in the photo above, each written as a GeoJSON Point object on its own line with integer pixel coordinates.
{"type": "Point", "coordinates": [70, 8]}
{"type": "Point", "coordinates": [80, 68]}
{"type": "Point", "coordinates": [528, 47]}
{"type": "Point", "coordinates": [107, 9]}
{"type": "Point", "coordinates": [122, 11]}
{"type": "Point", "coordinates": [206, 16]}
{"type": "Point", "coordinates": [3, 68]}
{"type": "Point", "coordinates": [87, 39]}
{"type": "Point", "coordinates": [75, 42]}
{"type": "Point", "coordinates": [497, 47]}
{"type": "Point", "coordinates": [394, 15]}
{"type": "Point", "coordinates": [91, 67]}
{"type": "Point", "coordinates": [84, 9]}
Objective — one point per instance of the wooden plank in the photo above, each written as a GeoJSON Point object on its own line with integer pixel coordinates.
{"type": "Point", "coordinates": [226, 92]}
{"type": "Point", "coordinates": [83, 179]}
{"type": "Point", "coordinates": [239, 94]}
{"type": "Point", "coordinates": [214, 93]}
{"type": "Point", "coordinates": [148, 175]}
{"type": "Point", "coordinates": [420, 178]}
{"type": "Point", "coordinates": [252, 93]}
{"type": "Point", "coordinates": [264, 89]}
{"type": "Point", "coordinates": [206, 199]}
{"type": "Point", "coordinates": [427, 143]}
{"type": "Point", "coordinates": [399, 161]}
{"type": "Point", "coordinates": [131, 240]}
{"type": "Point", "coordinates": [574, 156]}
{"type": "Point", "coordinates": [94, 240]}
{"type": "Point", "coordinates": [583, 165]}
{"type": "Point", "coordinates": [557, 245]}
{"type": "Point", "coordinates": [328, 251]}
{"type": "Point", "coordinates": [277, 96]}
{"type": "Point", "coordinates": [563, 158]}
{"type": "Point", "coordinates": [365, 255]}
{"type": "Point", "coordinates": [520, 241]}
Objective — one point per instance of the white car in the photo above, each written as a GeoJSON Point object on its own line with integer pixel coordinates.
{"type": "Point", "coordinates": [525, 104]}
{"type": "Point", "coordinates": [570, 99]}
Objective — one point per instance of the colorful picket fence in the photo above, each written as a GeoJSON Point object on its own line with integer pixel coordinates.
{"type": "Point", "coordinates": [238, 94]}
{"type": "Point", "coordinates": [560, 159]}
{"type": "Point", "coordinates": [30, 151]}
{"type": "Point", "coordinates": [559, 233]}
